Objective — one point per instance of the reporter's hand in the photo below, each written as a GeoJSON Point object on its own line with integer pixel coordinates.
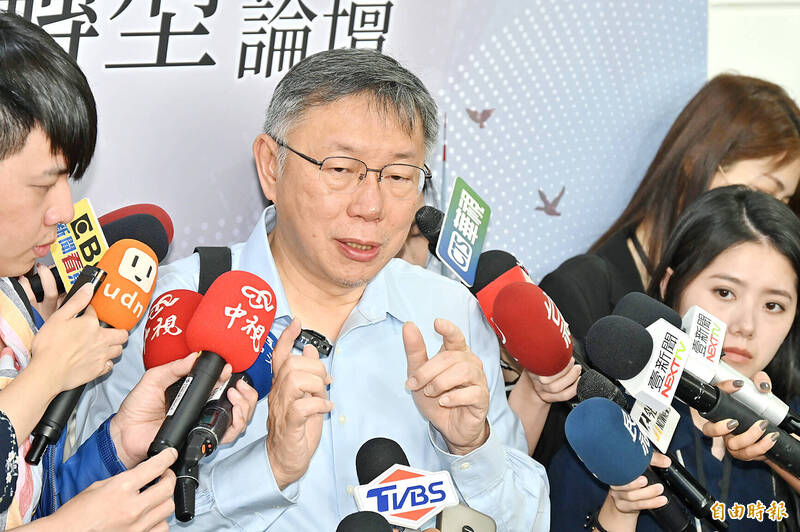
{"type": "Point", "coordinates": [116, 504]}
{"type": "Point", "coordinates": [754, 442]}
{"type": "Point", "coordinates": [144, 409]}
{"type": "Point", "coordinates": [620, 511]}
{"type": "Point", "coordinates": [52, 299]}
{"type": "Point", "coordinates": [562, 386]}
{"type": "Point", "coordinates": [69, 351]}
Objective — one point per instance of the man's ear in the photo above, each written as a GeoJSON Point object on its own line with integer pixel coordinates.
{"type": "Point", "coordinates": [265, 152]}
{"type": "Point", "coordinates": [662, 286]}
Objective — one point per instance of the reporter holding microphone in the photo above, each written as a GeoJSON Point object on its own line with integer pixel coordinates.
{"type": "Point", "coordinates": [735, 252]}
{"type": "Point", "coordinates": [48, 128]}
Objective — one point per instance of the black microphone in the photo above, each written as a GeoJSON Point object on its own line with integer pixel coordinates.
{"type": "Point", "coordinates": [145, 228]}
{"type": "Point", "coordinates": [677, 481]}
{"type": "Point", "coordinates": [645, 310]}
{"type": "Point", "coordinates": [377, 455]}
{"type": "Point", "coordinates": [364, 522]}
{"type": "Point", "coordinates": [618, 355]}
{"type": "Point", "coordinates": [429, 221]}
{"type": "Point", "coordinates": [202, 441]}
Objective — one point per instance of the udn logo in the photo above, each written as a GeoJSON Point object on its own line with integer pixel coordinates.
{"type": "Point", "coordinates": [406, 496]}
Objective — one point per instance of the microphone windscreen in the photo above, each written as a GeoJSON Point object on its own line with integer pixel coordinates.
{"type": "Point", "coordinates": [491, 265]}
{"type": "Point", "coordinates": [233, 319]}
{"type": "Point", "coordinates": [164, 332]}
{"type": "Point", "coordinates": [645, 310]}
{"type": "Point", "coordinates": [618, 347]}
{"type": "Point", "coordinates": [593, 384]}
{"type": "Point", "coordinates": [364, 522]}
{"type": "Point", "coordinates": [607, 441]}
{"type": "Point", "coordinates": [532, 328]}
{"type": "Point", "coordinates": [142, 227]}
{"type": "Point", "coordinates": [429, 221]}
{"type": "Point", "coordinates": [141, 208]}
{"type": "Point", "coordinates": [261, 370]}
{"type": "Point", "coordinates": [376, 456]}
{"type": "Point", "coordinates": [131, 269]}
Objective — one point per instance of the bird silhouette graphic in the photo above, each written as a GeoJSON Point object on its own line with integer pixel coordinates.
{"type": "Point", "coordinates": [481, 117]}
{"type": "Point", "coordinates": [549, 207]}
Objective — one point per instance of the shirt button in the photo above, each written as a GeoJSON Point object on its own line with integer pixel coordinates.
{"type": "Point", "coordinates": [342, 420]}
{"type": "Point", "coordinates": [464, 466]}
{"type": "Point", "coordinates": [350, 490]}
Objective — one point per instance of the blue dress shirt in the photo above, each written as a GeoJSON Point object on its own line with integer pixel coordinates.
{"type": "Point", "coordinates": [368, 364]}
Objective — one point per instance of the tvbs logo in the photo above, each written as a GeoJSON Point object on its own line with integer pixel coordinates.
{"type": "Point", "coordinates": [406, 496]}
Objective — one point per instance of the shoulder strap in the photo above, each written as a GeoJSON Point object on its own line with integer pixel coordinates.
{"type": "Point", "coordinates": [214, 261]}
{"type": "Point", "coordinates": [23, 296]}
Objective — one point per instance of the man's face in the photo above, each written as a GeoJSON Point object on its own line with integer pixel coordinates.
{"type": "Point", "coordinates": [34, 197]}
{"type": "Point", "coordinates": [344, 239]}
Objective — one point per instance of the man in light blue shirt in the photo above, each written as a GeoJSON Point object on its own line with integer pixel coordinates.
{"type": "Point", "coordinates": [342, 157]}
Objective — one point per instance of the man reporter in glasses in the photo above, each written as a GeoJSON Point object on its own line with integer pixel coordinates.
{"type": "Point", "coordinates": [342, 158]}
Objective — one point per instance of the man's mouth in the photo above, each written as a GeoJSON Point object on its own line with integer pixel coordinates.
{"type": "Point", "coordinates": [362, 247]}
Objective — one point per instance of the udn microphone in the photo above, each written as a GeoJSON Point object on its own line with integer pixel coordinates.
{"type": "Point", "coordinates": [620, 347]}
{"type": "Point", "coordinates": [229, 325]}
{"type": "Point", "coordinates": [675, 478]}
{"type": "Point", "coordinates": [708, 333]}
{"type": "Point", "coordinates": [120, 301]}
{"type": "Point", "coordinates": [140, 226]}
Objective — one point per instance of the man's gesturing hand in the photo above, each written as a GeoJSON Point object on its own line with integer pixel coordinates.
{"type": "Point", "coordinates": [297, 403]}
{"type": "Point", "coordinates": [450, 389]}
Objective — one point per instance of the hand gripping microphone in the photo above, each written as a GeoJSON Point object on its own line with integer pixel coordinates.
{"type": "Point", "coordinates": [120, 301]}
{"type": "Point", "coordinates": [229, 325]}
{"type": "Point", "coordinates": [675, 478]}
{"type": "Point", "coordinates": [364, 522]}
{"type": "Point", "coordinates": [645, 310]}
{"type": "Point", "coordinates": [532, 328]}
{"type": "Point", "coordinates": [143, 227]}
{"type": "Point", "coordinates": [618, 347]}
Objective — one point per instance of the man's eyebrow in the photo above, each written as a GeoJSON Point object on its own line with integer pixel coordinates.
{"type": "Point", "coordinates": [56, 171]}
{"type": "Point", "coordinates": [349, 149]}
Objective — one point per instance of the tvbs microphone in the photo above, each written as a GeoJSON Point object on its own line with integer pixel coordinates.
{"type": "Point", "coordinates": [620, 347]}
{"type": "Point", "coordinates": [532, 328]}
{"type": "Point", "coordinates": [120, 301]}
{"type": "Point", "coordinates": [706, 338]}
{"type": "Point", "coordinates": [229, 325]}
{"type": "Point", "coordinates": [405, 496]}
{"type": "Point", "coordinates": [675, 478]}
{"type": "Point", "coordinates": [141, 226]}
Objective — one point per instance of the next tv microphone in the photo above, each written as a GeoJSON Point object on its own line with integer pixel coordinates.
{"type": "Point", "coordinates": [621, 347]}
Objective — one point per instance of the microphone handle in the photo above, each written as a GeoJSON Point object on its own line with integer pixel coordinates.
{"type": "Point", "coordinates": [51, 425]}
{"type": "Point", "coordinates": [187, 406]}
{"type": "Point", "coordinates": [715, 405]}
{"type": "Point", "coordinates": [693, 494]}
{"type": "Point", "coordinates": [186, 482]}
{"type": "Point", "coordinates": [671, 516]}
{"type": "Point", "coordinates": [215, 419]}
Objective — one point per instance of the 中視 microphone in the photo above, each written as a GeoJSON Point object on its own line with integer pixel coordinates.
{"type": "Point", "coordinates": [706, 338]}
{"type": "Point", "coordinates": [229, 325]}
{"type": "Point", "coordinates": [620, 347]}
{"type": "Point", "coordinates": [120, 300]}
{"type": "Point", "coordinates": [137, 226]}
{"type": "Point", "coordinates": [676, 479]}
{"type": "Point", "coordinates": [532, 328]}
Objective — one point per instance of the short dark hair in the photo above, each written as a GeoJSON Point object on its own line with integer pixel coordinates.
{"type": "Point", "coordinates": [718, 220]}
{"type": "Point", "coordinates": [731, 119]}
{"type": "Point", "coordinates": [42, 86]}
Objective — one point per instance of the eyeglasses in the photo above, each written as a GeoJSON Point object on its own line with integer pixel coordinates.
{"type": "Point", "coordinates": [343, 174]}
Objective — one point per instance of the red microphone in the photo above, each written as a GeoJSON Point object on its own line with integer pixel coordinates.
{"type": "Point", "coordinates": [532, 328]}
{"type": "Point", "coordinates": [164, 333]}
{"type": "Point", "coordinates": [141, 208]}
{"type": "Point", "coordinates": [229, 325]}
{"type": "Point", "coordinates": [496, 269]}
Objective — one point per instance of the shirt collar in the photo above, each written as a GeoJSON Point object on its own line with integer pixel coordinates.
{"type": "Point", "coordinates": [374, 304]}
